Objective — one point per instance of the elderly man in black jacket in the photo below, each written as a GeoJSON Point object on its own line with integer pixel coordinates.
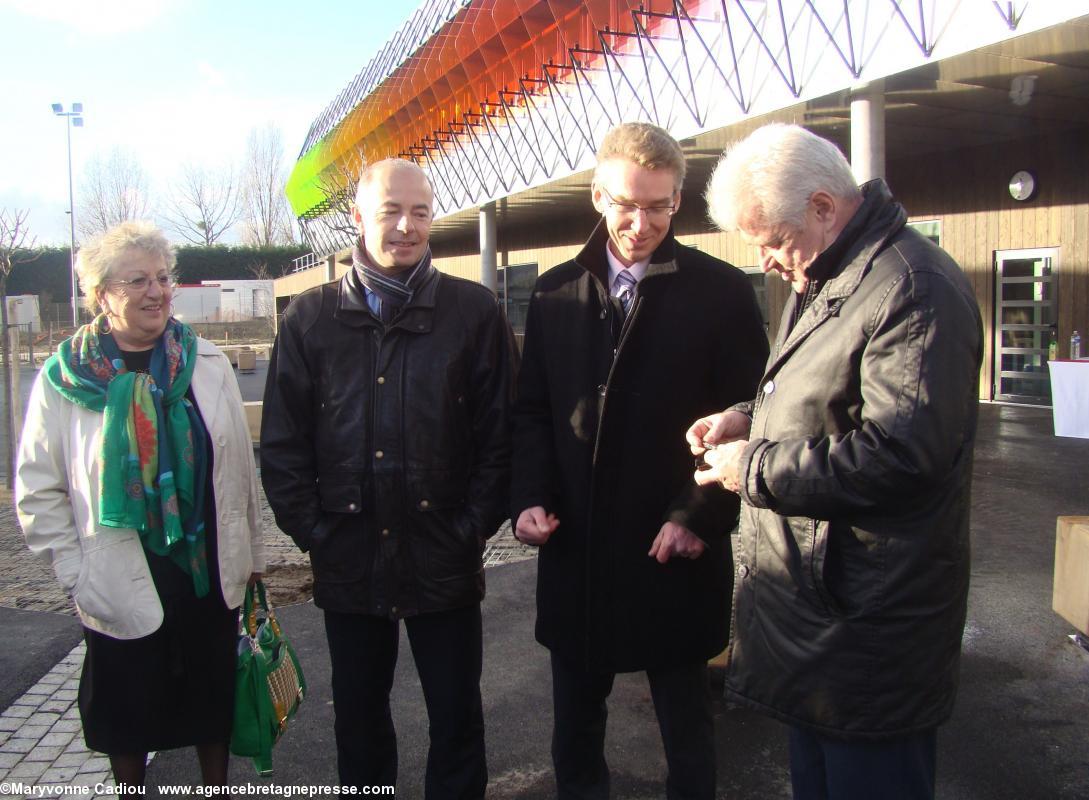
{"type": "Point", "coordinates": [622, 345]}
{"type": "Point", "coordinates": [385, 452]}
{"type": "Point", "coordinates": [854, 466]}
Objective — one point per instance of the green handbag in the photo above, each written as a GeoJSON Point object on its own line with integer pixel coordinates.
{"type": "Point", "coordinates": [269, 683]}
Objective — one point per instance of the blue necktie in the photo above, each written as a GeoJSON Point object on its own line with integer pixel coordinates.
{"type": "Point", "coordinates": [625, 289]}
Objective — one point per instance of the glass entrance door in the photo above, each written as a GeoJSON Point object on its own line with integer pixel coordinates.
{"type": "Point", "coordinates": [1024, 315]}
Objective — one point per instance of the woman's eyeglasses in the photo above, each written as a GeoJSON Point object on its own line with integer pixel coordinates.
{"type": "Point", "coordinates": [143, 283]}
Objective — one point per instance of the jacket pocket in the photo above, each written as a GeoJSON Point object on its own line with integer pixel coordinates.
{"type": "Point", "coordinates": [336, 499]}
{"type": "Point", "coordinates": [818, 559]}
{"type": "Point", "coordinates": [340, 552]}
{"type": "Point", "coordinates": [114, 582]}
{"type": "Point", "coordinates": [447, 548]}
{"type": "Point", "coordinates": [851, 570]}
{"type": "Point", "coordinates": [340, 499]}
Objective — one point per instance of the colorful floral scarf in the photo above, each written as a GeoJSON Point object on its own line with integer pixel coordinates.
{"type": "Point", "coordinates": [153, 460]}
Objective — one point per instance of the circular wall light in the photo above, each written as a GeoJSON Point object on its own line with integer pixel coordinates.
{"type": "Point", "coordinates": [1022, 185]}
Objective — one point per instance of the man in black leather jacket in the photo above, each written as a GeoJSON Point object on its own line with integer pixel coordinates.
{"type": "Point", "coordinates": [385, 453]}
{"type": "Point", "coordinates": [854, 468]}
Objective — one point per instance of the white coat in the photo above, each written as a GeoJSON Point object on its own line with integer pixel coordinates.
{"type": "Point", "coordinates": [104, 569]}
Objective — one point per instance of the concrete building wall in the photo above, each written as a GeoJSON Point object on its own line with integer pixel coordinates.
{"type": "Point", "coordinates": [195, 303]}
{"type": "Point", "coordinates": [23, 310]}
{"type": "Point", "coordinates": [243, 299]}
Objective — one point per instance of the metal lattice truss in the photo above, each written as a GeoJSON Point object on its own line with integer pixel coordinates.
{"type": "Point", "coordinates": [690, 67]}
{"type": "Point", "coordinates": [428, 20]}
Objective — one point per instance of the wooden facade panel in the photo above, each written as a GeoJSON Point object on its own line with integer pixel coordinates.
{"type": "Point", "coordinates": [1028, 225]}
{"type": "Point", "coordinates": [1075, 315]}
{"type": "Point", "coordinates": [1043, 223]}
{"type": "Point", "coordinates": [1005, 220]}
{"type": "Point", "coordinates": [983, 269]}
{"type": "Point", "coordinates": [967, 190]}
{"type": "Point", "coordinates": [467, 267]}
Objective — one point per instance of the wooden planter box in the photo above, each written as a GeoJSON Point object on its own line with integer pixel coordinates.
{"type": "Point", "coordinates": [247, 360]}
{"type": "Point", "coordinates": [1070, 597]}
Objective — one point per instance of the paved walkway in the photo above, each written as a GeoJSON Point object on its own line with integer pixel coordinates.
{"type": "Point", "coordinates": [40, 735]}
{"type": "Point", "coordinates": [41, 741]}
{"type": "Point", "coordinates": [1020, 729]}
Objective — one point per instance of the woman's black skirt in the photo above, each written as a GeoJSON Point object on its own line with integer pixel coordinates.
{"type": "Point", "coordinates": [174, 688]}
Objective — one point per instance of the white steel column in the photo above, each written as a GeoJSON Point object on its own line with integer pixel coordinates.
{"type": "Point", "coordinates": [868, 131]}
{"type": "Point", "coordinates": [488, 265]}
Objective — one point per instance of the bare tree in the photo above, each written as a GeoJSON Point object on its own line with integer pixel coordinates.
{"type": "Point", "coordinates": [115, 189]}
{"type": "Point", "coordinates": [263, 303]}
{"type": "Point", "coordinates": [260, 271]}
{"type": "Point", "coordinates": [17, 246]}
{"type": "Point", "coordinates": [204, 204]}
{"type": "Point", "coordinates": [266, 218]}
{"type": "Point", "coordinates": [338, 183]}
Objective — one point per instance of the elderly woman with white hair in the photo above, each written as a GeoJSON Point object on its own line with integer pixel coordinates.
{"type": "Point", "coordinates": [136, 482]}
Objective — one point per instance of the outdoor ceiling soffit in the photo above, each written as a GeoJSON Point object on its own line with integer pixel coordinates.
{"type": "Point", "coordinates": [498, 96]}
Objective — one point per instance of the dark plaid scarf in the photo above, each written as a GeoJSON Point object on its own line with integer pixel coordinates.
{"type": "Point", "coordinates": [393, 291]}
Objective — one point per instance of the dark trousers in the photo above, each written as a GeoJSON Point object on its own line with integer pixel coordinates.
{"type": "Point", "coordinates": [829, 769]}
{"type": "Point", "coordinates": [682, 703]}
{"type": "Point", "coordinates": [447, 647]}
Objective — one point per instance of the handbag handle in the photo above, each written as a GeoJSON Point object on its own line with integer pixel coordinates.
{"type": "Point", "coordinates": [257, 592]}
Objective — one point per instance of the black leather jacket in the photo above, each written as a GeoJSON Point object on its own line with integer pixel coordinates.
{"type": "Point", "coordinates": [385, 450]}
{"type": "Point", "coordinates": [853, 564]}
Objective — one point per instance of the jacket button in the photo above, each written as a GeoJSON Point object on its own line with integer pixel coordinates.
{"type": "Point", "coordinates": [743, 571]}
{"type": "Point", "coordinates": [222, 441]}
{"type": "Point", "coordinates": [379, 454]}
{"type": "Point", "coordinates": [385, 531]}
{"type": "Point", "coordinates": [424, 505]}
{"type": "Point", "coordinates": [769, 387]}
{"type": "Point", "coordinates": [604, 313]}
{"type": "Point", "coordinates": [381, 380]}
{"type": "Point", "coordinates": [601, 390]}
{"type": "Point", "coordinates": [352, 507]}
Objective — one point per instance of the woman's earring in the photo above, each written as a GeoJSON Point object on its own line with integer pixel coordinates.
{"type": "Point", "coordinates": [104, 324]}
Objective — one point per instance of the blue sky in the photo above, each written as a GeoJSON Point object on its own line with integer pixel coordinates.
{"type": "Point", "coordinates": [170, 81]}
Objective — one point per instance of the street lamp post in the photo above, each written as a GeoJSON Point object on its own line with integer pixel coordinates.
{"type": "Point", "coordinates": [74, 119]}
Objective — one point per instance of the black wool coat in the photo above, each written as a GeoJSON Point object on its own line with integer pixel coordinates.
{"type": "Point", "coordinates": [603, 403]}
